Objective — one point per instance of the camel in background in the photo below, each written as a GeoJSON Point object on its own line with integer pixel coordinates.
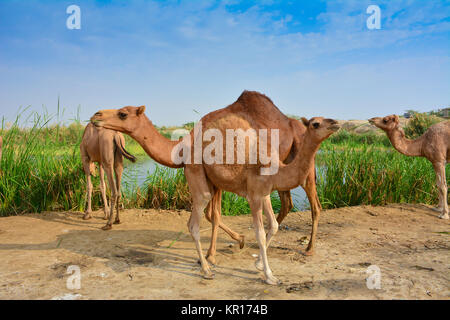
{"type": "Point", "coordinates": [434, 145]}
{"type": "Point", "coordinates": [107, 148]}
{"type": "Point", "coordinates": [254, 111]}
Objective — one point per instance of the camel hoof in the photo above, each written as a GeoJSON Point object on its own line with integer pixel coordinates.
{"type": "Point", "coordinates": [259, 265]}
{"type": "Point", "coordinates": [117, 222]}
{"type": "Point", "coordinates": [272, 281]}
{"type": "Point", "coordinates": [309, 253]}
{"type": "Point", "coordinates": [208, 275]}
{"type": "Point", "coordinates": [242, 242]}
{"type": "Point", "coordinates": [107, 227]}
{"type": "Point", "coordinates": [87, 217]}
{"type": "Point", "coordinates": [444, 216]}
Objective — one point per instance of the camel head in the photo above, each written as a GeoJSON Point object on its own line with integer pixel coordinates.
{"type": "Point", "coordinates": [125, 120]}
{"type": "Point", "coordinates": [321, 128]}
{"type": "Point", "coordinates": [387, 123]}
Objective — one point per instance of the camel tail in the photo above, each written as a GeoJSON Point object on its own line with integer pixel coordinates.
{"type": "Point", "coordinates": [120, 141]}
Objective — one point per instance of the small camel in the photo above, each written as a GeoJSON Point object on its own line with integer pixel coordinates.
{"type": "Point", "coordinates": [213, 214]}
{"type": "Point", "coordinates": [251, 110]}
{"type": "Point", "coordinates": [107, 148]}
{"type": "Point", "coordinates": [434, 145]}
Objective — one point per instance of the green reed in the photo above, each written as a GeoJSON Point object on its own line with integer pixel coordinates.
{"type": "Point", "coordinates": [368, 175]}
{"type": "Point", "coordinates": [41, 170]}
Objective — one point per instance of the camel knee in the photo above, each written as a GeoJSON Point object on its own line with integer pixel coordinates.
{"type": "Point", "coordinates": [194, 230]}
{"type": "Point", "coordinates": [273, 228]}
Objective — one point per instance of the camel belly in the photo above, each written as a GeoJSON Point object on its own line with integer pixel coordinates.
{"type": "Point", "coordinates": [232, 178]}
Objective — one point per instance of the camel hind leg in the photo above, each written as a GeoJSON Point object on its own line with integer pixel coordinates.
{"type": "Point", "coordinates": [87, 166]}
{"type": "Point", "coordinates": [103, 192]}
{"type": "Point", "coordinates": [112, 186]}
{"type": "Point", "coordinates": [286, 205]}
{"type": "Point", "coordinates": [213, 215]}
{"type": "Point", "coordinates": [118, 170]}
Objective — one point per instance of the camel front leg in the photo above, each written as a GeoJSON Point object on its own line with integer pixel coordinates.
{"type": "Point", "coordinates": [89, 187]}
{"type": "Point", "coordinates": [201, 195]}
{"type": "Point", "coordinates": [273, 228]}
{"type": "Point", "coordinates": [113, 188]}
{"type": "Point", "coordinates": [314, 202]}
{"type": "Point", "coordinates": [256, 206]}
{"type": "Point", "coordinates": [103, 191]}
{"type": "Point", "coordinates": [441, 182]}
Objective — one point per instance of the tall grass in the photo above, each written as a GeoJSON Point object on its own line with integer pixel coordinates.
{"type": "Point", "coordinates": [34, 174]}
{"type": "Point", "coordinates": [41, 170]}
{"type": "Point", "coordinates": [376, 177]}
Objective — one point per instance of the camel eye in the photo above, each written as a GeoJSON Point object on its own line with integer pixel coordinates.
{"type": "Point", "coordinates": [384, 121]}
{"type": "Point", "coordinates": [316, 125]}
{"type": "Point", "coordinates": [123, 115]}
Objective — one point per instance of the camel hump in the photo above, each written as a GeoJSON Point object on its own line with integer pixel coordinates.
{"type": "Point", "coordinates": [119, 141]}
{"type": "Point", "coordinates": [259, 107]}
{"type": "Point", "coordinates": [249, 97]}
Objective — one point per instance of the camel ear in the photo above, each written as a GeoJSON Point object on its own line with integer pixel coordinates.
{"type": "Point", "coordinates": [305, 121]}
{"type": "Point", "coordinates": [140, 110]}
{"type": "Point", "coordinates": [396, 118]}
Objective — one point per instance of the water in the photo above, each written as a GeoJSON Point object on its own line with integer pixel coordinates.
{"type": "Point", "coordinates": [135, 175]}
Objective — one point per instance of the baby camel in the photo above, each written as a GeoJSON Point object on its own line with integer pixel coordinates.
{"type": "Point", "coordinates": [434, 145]}
{"type": "Point", "coordinates": [107, 148]}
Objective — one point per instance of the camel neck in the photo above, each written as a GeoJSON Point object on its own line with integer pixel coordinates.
{"type": "Point", "coordinates": [295, 173]}
{"type": "Point", "coordinates": [158, 147]}
{"type": "Point", "coordinates": [403, 145]}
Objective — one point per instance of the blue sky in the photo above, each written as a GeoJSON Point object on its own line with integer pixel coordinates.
{"type": "Point", "coordinates": [313, 58]}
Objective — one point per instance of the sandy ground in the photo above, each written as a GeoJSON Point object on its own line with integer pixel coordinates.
{"type": "Point", "coordinates": [151, 256]}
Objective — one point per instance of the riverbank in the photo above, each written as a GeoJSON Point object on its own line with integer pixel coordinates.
{"type": "Point", "coordinates": [152, 256]}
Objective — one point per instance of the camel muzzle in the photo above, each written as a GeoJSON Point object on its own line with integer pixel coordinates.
{"type": "Point", "coordinates": [96, 122]}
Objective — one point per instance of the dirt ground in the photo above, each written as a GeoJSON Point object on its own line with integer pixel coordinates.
{"type": "Point", "coordinates": [152, 256]}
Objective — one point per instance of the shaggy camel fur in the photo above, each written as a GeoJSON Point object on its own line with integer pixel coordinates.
{"type": "Point", "coordinates": [254, 111]}
{"type": "Point", "coordinates": [434, 145]}
{"type": "Point", "coordinates": [107, 148]}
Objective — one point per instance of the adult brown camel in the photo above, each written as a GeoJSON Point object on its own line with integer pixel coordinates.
{"type": "Point", "coordinates": [254, 181]}
{"type": "Point", "coordinates": [434, 145]}
{"type": "Point", "coordinates": [107, 148]}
